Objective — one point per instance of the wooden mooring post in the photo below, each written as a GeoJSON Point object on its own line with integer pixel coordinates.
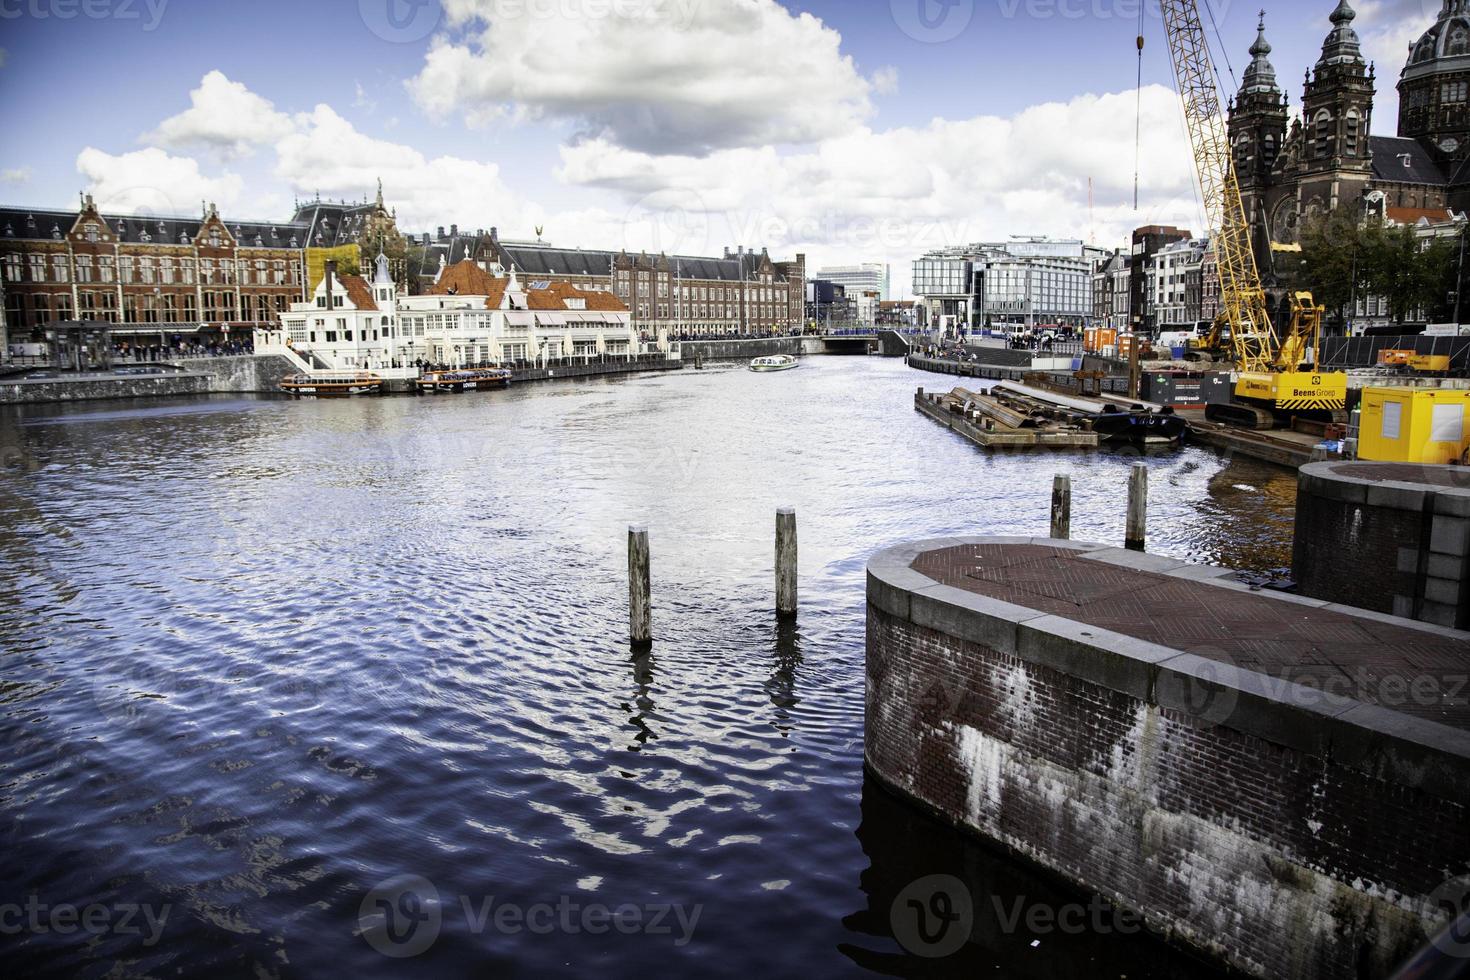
{"type": "Point", "coordinates": [1137, 534]}
{"type": "Point", "coordinates": [640, 608]}
{"type": "Point", "coordinates": [786, 561]}
{"type": "Point", "coordinates": [1061, 507]}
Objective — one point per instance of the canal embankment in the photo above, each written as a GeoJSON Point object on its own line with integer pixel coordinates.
{"type": "Point", "coordinates": [94, 387]}
{"type": "Point", "coordinates": [1278, 783]}
{"type": "Point", "coordinates": [693, 351]}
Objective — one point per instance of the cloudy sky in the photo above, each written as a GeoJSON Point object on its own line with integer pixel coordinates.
{"type": "Point", "coordinates": [850, 130]}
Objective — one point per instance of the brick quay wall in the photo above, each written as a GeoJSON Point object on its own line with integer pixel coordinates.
{"type": "Point", "coordinates": [1282, 830]}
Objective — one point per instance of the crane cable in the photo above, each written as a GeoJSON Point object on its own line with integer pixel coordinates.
{"type": "Point", "coordinates": [1138, 113]}
{"type": "Point", "coordinates": [1220, 43]}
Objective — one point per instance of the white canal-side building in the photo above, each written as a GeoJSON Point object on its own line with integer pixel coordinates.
{"type": "Point", "coordinates": [470, 316]}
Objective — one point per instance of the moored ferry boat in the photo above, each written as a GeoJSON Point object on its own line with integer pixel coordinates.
{"type": "Point", "coordinates": [777, 362]}
{"type": "Point", "coordinates": [340, 384]}
{"type": "Point", "coordinates": [471, 379]}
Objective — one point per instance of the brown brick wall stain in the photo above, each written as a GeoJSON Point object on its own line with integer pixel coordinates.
{"type": "Point", "coordinates": [1281, 864]}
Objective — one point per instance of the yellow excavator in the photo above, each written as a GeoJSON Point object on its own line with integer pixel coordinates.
{"type": "Point", "coordinates": [1274, 378]}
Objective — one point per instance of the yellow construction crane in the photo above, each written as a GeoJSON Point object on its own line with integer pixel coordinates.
{"type": "Point", "coordinates": [1270, 386]}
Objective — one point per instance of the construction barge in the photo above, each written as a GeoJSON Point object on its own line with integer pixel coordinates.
{"type": "Point", "coordinates": [1017, 416]}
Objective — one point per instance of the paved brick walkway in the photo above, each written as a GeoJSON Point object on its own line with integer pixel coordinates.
{"type": "Point", "coordinates": [1408, 670]}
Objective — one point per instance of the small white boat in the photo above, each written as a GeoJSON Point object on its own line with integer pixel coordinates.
{"type": "Point", "coordinates": [778, 362]}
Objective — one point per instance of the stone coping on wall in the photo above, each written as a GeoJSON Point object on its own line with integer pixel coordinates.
{"type": "Point", "coordinates": [1401, 486]}
{"type": "Point", "coordinates": [1196, 641]}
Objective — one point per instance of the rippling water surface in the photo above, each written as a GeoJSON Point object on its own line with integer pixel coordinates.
{"type": "Point", "coordinates": [262, 657]}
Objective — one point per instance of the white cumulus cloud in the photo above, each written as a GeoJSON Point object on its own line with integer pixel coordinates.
{"type": "Point", "coordinates": [150, 181]}
{"type": "Point", "coordinates": [328, 154]}
{"type": "Point", "coordinates": [223, 116]}
{"type": "Point", "coordinates": [895, 194]}
{"type": "Point", "coordinates": [658, 76]}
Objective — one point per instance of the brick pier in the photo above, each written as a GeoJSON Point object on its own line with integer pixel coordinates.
{"type": "Point", "coordinates": [1279, 783]}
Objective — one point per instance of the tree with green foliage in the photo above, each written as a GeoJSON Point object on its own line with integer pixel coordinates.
{"type": "Point", "coordinates": [1345, 258]}
{"type": "Point", "coordinates": [1333, 266]}
{"type": "Point", "coordinates": [1414, 278]}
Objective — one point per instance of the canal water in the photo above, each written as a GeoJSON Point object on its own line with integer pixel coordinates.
{"type": "Point", "coordinates": [313, 685]}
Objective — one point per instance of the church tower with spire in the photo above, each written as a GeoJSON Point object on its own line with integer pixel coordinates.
{"type": "Point", "coordinates": [1257, 131]}
{"type": "Point", "coordinates": [1336, 158]}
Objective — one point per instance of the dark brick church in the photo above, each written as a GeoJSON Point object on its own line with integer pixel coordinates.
{"type": "Point", "coordinates": [1292, 168]}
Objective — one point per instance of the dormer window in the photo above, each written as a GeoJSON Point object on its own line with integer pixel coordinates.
{"type": "Point", "coordinates": [1458, 42]}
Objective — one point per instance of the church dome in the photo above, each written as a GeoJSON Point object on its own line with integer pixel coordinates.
{"type": "Point", "coordinates": [1445, 46]}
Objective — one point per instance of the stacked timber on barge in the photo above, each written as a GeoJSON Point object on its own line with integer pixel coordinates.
{"type": "Point", "coordinates": [996, 423]}
{"type": "Point", "coordinates": [1012, 415]}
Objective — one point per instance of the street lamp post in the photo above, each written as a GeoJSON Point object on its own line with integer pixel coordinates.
{"type": "Point", "coordinates": [1460, 274]}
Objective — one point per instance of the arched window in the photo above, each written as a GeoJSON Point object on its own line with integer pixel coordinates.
{"type": "Point", "coordinates": [1424, 52]}
{"type": "Point", "coordinates": [1351, 128]}
{"type": "Point", "coordinates": [1323, 133]}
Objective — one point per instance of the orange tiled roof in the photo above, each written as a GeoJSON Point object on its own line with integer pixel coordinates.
{"type": "Point", "coordinates": [1411, 216]}
{"type": "Point", "coordinates": [468, 279]}
{"type": "Point", "coordinates": [359, 292]}
{"type": "Point", "coordinates": [555, 295]}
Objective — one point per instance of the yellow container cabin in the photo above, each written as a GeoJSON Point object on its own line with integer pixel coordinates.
{"type": "Point", "coordinates": [1415, 425]}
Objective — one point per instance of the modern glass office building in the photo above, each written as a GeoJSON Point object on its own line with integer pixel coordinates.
{"type": "Point", "coordinates": [1026, 281]}
{"type": "Point", "coordinates": [869, 277]}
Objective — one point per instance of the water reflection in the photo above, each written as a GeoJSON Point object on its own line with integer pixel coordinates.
{"type": "Point", "coordinates": [1022, 921]}
{"type": "Point", "coordinates": [263, 656]}
{"type": "Point", "coordinates": [642, 704]}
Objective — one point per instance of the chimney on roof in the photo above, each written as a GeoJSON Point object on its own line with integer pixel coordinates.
{"type": "Point", "coordinates": [426, 238]}
{"type": "Point", "coordinates": [441, 231]}
{"type": "Point", "coordinates": [454, 231]}
{"type": "Point", "coordinates": [331, 274]}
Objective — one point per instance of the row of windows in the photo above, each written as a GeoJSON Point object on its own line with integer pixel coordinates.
{"type": "Point", "coordinates": [39, 309]}
{"type": "Point", "coordinates": [147, 270]}
{"type": "Point", "coordinates": [93, 232]}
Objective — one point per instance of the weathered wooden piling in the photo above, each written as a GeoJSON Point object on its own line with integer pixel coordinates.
{"type": "Point", "coordinates": [1061, 507]}
{"type": "Point", "coordinates": [1137, 534]}
{"type": "Point", "coordinates": [640, 607]}
{"type": "Point", "coordinates": [786, 561]}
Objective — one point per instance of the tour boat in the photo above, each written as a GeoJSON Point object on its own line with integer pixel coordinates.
{"type": "Point", "coordinates": [779, 362]}
{"type": "Point", "coordinates": [471, 379]}
{"type": "Point", "coordinates": [332, 385]}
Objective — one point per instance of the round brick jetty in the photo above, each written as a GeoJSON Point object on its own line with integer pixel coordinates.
{"type": "Point", "coordinates": [1278, 782]}
{"type": "Point", "coordinates": [1394, 537]}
